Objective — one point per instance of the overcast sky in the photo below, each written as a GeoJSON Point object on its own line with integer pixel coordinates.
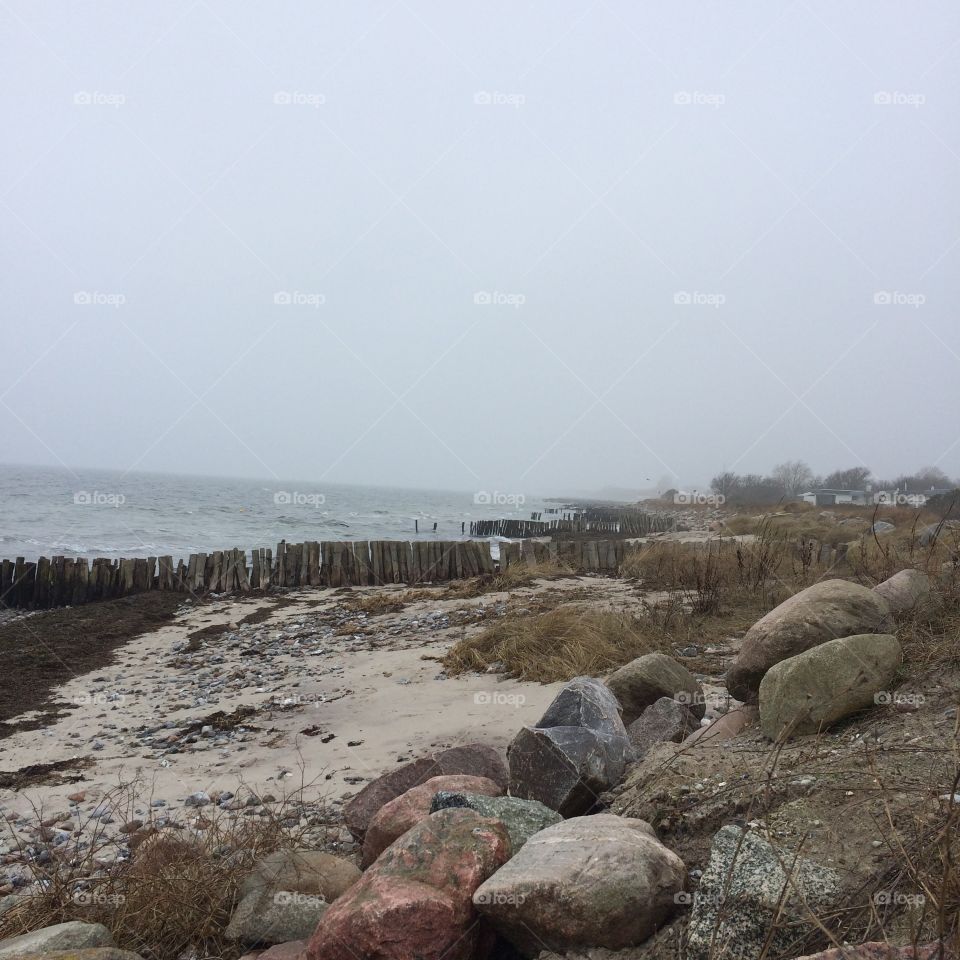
{"type": "Point", "coordinates": [524, 246]}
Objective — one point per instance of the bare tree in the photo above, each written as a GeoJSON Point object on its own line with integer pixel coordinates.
{"type": "Point", "coordinates": [852, 478]}
{"type": "Point", "coordinates": [793, 476]}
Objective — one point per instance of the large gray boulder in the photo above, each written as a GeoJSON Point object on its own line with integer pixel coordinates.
{"type": "Point", "coordinates": [813, 690]}
{"type": "Point", "coordinates": [584, 702]}
{"type": "Point", "coordinates": [665, 720]}
{"type": "Point", "coordinates": [265, 917]}
{"type": "Point", "coordinates": [566, 768]}
{"type": "Point", "coordinates": [908, 593]}
{"type": "Point", "coordinates": [739, 897]}
{"type": "Point", "coordinates": [522, 818]}
{"type": "Point", "coordinates": [600, 881]}
{"type": "Point", "coordinates": [823, 612]}
{"type": "Point", "coordinates": [73, 935]}
{"type": "Point", "coordinates": [642, 682]}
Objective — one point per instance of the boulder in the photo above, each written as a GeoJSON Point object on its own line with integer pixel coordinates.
{"type": "Point", "coordinates": [522, 818]}
{"type": "Point", "coordinates": [908, 593]}
{"type": "Point", "coordinates": [302, 871]}
{"type": "Point", "coordinates": [584, 702]}
{"type": "Point", "coordinates": [813, 690]}
{"type": "Point", "coordinates": [938, 531]}
{"type": "Point", "coordinates": [667, 719]}
{"type": "Point", "coordinates": [265, 916]}
{"type": "Point", "coordinates": [600, 881]}
{"type": "Point", "coordinates": [395, 818]}
{"type": "Point", "coordinates": [825, 611]}
{"type": "Point", "coordinates": [293, 950]}
{"type": "Point", "coordinates": [87, 953]}
{"type": "Point", "coordinates": [473, 759]}
{"type": "Point", "coordinates": [730, 725]}
{"type": "Point", "coordinates": [882, 526]}
{"type": "Point", "coordinates": [416, 899]}
{"type": "Point", "coordinates": [642, 682]}
{"type": "Point", "coordinates": [566, 768]}
{"type": "Point", "coordinates": [880, 950]}
{"type": "Point", "coordinates": [73, 935]}
{"type": "Point", "coordinates": [739, 897]}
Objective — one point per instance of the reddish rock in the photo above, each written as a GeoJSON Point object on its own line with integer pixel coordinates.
{"type": "Point", "coordinates": [416, 899]}
{"type": "Point", "coordinates": [395, 818]}
{"type": "Point", "coordinates": [473, 759]}
{"type": "Point", "coordinates": [883, 951]}
{"type": "Point", "coordinates": [725, 727]}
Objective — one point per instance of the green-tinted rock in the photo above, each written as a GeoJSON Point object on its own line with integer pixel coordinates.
{"type": "Point", "coordinates": [522, 818]}
{"type": "Point", "coordinates": [809, 692]}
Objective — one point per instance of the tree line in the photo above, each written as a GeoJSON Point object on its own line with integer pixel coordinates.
{"type": "Point", "coordinates": [794, 477]}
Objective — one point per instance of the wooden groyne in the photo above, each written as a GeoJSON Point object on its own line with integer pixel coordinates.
{"type": "Point", "coordinates": [67, 581]}
{"type": "Point", "coordinates": [628, 523]}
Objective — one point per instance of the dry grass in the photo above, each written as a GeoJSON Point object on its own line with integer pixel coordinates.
{"type": "Point", "coordinates": [513, 578]}
{"type": "Point", "coordinates": [566, 642]}
{"type": "Point", "coordinates": [172, 896]}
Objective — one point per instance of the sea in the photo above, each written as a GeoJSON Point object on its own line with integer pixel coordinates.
{"type": "Point", "coordinates": [99, 513]}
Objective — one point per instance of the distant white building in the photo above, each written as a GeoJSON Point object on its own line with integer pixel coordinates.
{"type": "Point", "coordinates": [827, 497]}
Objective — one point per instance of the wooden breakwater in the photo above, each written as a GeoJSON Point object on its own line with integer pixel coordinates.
{"type": "Point", "coordinates": [61, 581]}
{"type": "Point", "coordinates": [628, 524]}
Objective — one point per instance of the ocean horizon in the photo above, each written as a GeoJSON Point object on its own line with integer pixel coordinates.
{"type": "Point", "coordinates": [46, 511]}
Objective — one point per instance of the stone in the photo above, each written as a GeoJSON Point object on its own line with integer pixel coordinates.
{"type": "Point", "coordinates": [813, 690]}
{"type": "Point", "coordinates": [395, 818]}
{"type": "Point", "coordinates": [302, 871]}
{"type": "Point", "coordinates": [726, 727]}
{"type": "Point", "coordinates": [880, 950]}
{"type": "Point", "coordinates": [584, 702]}
{"type": "Point", "coordinates": [522, 818]}
{"type": "Point", "coordinates": [473, 759]}
{"type": "Point", "coordinates": [600, 881]}
{"type": "Point", "coordinates": [73, 935]}
{"type": "Point", "coordinates": [823, 612]}
{"type": "Point", "coordinates": [642, 682]}
{"type": "Point", "coordinates": [882, 526]}
{"type": "Point", "coordinates": [416, 899]}
{"type": "Point", "coordinates": [87, 953]}
{"type": "Point", "coordinates": [266, 916]}
{"type": "Point", "coordinates": [293, 950]}
{"type": "Point", "coordinates": [665, 720]}
{"type": "Point", "coordinates": [566, 768]}
{"type": "Point", "coordinates": [937, 531]}
{"type": "Point", "coordinates": [739, 896]}
{"type": "Point", "coordinates": [908, 593]}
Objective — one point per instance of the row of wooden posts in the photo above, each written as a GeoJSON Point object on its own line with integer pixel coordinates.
{"type": "Point", "coordinates": [65, 581]}
{"type": "Point", "coordinates": [634, 524]}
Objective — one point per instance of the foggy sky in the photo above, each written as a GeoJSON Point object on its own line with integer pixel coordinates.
{"type": "Point", "coordinates": [486, 219]}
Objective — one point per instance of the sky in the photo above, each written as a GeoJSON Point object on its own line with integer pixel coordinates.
{"type": "Point", "coordinates": [538, 246]}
